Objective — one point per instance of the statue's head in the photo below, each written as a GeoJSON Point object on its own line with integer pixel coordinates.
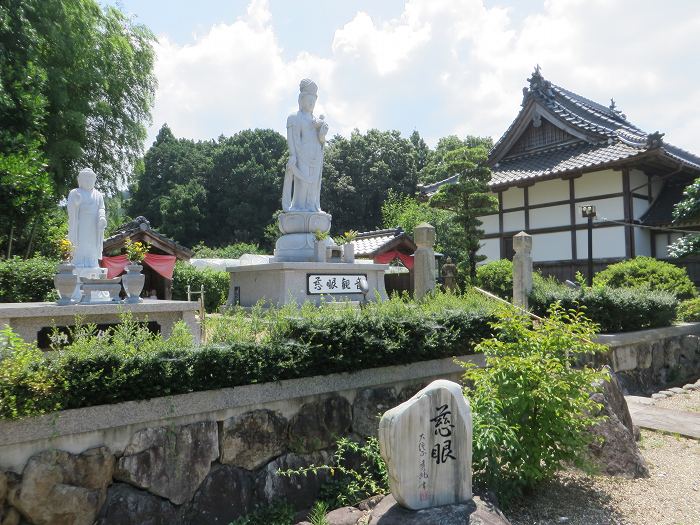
{"type": "Point", "coordinates": [307, 95]}
{"type": "Point", "coordinates": [86, 179]}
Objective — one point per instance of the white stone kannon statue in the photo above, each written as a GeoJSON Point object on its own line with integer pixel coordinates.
{"type": "Point", "coordinates": [87, 221]}
{"type": "Point", "coordinates": [301, 193]}
{"type": "Point", "coordinates": [306, 136]}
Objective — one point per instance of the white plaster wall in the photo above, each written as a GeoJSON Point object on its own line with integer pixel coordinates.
{"type": "Point", "coordinates": [598, 183]}
{"type": "Point", "coordinates": [642, 241]}
{"type": "Point", "coordinates": [637, 178]}
{"type": "Point", "coordinates": [491, 248]}
{"type": "Point", "coordinates": [639, 207]}
{"type": "Point", "coordinates": [612, 209]}
{"type": "Point", "coordinates": [551, 246]}
{"type": "Point", "coordinates": [661, 245]}
{"type": "Point", "coordinates": [607, 242]}
{"type": "Point", "coordinates": [514, 221]}
{"type": "Point", "coordinates": [548, 191]}
{"type": "Point", "coordinates": [513, 198]}
{"type": "Point", "coordinates": [489, 224]}
{"type": "Point", "coordinates": [656, 184]}
{"type": "Point", "coordinates": [551, 216]}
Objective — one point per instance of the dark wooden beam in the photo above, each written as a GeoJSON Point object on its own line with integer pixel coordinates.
{"type": "Point", "coordinates": [572, 218]}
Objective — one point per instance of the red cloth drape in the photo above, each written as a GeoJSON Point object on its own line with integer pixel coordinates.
{"type": "Point", "coordinates": [387, 257]}
{"type": "Point", "coordinates": [162, 264]}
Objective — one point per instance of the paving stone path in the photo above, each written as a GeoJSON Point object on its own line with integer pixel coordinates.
{"type": "Point", "coordinates": [646, 415]}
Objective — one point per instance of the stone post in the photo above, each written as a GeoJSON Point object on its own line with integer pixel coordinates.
{"type": "Point", "coordinates": [423, 260]}
{"type": "Point", "coordinates": [522, 269]}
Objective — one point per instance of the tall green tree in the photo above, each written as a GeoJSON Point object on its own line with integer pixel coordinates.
{"type": "Point", "coordinates": [358, 173]}
{"type": "Point", "coordinates": [437, 167]}
{"type": "Point", "coordinates": [76, 87]}
{"type": "Point", "coordinates": [467, 198]}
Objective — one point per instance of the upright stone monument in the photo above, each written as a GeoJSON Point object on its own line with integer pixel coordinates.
{"type": "Point", "coordinates": [522, 269]}
{"type": "Point", "coordinates": [307, 265]}
{"type": "Point", "coordinates": [423, 260]}
{"type": "Point", "coordinates": [427, 445]}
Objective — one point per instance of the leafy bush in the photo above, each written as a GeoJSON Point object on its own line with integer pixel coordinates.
{"type": "Point", "coordinates": [129, 363]}
{"type": "Point", "coordinates": [215, 283]}
{"type": "Point", "coordinates": [232, 251]}
{"type": "Point", "coordinates": [647, 272]}
{"type": "Point", "coordinates": [497, 277]}
{"type": "Point", "coordinates": [614, 309]}
{"type": "Point", "coordinates": [277, 513]}
{"type": "Point", "coordinates": [357, 471]}
{"type": "Point", "coordinates": [689, 311]}
{"type": "Point", "coordinates": [26, 386]}
{"type": "Point", "coordinates": [27, 280]}
{"type": "Point", "coordinates": [531, 407]}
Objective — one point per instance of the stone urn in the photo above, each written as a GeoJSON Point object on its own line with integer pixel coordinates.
{"type": "Point", "coordinates": [65, 282]}
{"type": "Point", "coordinates": [133, 282]}
{"type": "Point", "coordinates": [348, 252]}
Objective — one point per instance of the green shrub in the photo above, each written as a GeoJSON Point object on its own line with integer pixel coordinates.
{"type": "Point", "coordinates": [232, 251]}
{"type": "Point", "coordinates": [650, 273]}
{"type": "Point", "coordinates": [531, 407]}
{"type": "Point", "coordinates": [215, 283]}
{"type": "Point", "coordinates": [128, 363]}
{"type": "Point", "coordinates": [27, 387]}
{"type": "Point", "coordinates": [277, 513]}
{"type": "Point", "coordinates": [357, 472]}
{"type": "Point", "coordinates": [689, 311]}
{"type": "Point", "coordinates": [614, 309]}
{"type": "Point", "coordinates": [497, 277]}
{"type": "Point", "coordinates": [27, 280]}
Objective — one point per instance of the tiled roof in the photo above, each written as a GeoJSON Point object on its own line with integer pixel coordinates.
{"type": "Point", "coordinates": [369, 244]}
{"type": "Point", "coordinates": [141, 223]}
{"type": "Point", "coordinates": [558, 160]}
{"type": "Point", "coordinates": [603, 136]}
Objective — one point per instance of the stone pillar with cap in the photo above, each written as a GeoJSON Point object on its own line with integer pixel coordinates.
{"type": "Point", "coordinates": [423, 260]}
{"type": "Point", "coordinates": [522, 269]}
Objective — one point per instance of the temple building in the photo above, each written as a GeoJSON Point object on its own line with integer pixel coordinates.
{"type": "Point", "coordinates": [563, 152]}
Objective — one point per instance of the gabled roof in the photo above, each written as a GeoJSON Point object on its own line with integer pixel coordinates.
{"type": "Point", "coordinates": [558, 132]}
{"type": "Point", "coordinates": [371, 244]}
{"type": "Point", "coordinates": [140, 229]}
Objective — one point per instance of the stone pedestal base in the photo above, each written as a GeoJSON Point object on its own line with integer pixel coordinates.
{"type": "Point", "coordinates": [298, 227]}
{"type": "Point", "coordinates": [279, 283]}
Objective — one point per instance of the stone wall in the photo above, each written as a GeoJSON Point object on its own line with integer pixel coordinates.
{"type": "Point", "coordinates": [647, 360]}
{"type": "Point", "coordinates": [205, 457]}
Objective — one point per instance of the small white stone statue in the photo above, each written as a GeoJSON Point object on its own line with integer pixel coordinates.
{"type": "Point", "coordinates": [86, 221]}
{"type": "Point", "coordinates": [306, 136]}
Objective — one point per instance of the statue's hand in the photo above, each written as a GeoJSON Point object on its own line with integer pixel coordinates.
{"type": "Point", "coordinates": [292, 162]}
{"type": "Point", "coordinates": [102, 223]}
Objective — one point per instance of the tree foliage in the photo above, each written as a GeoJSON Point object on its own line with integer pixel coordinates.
{"type": "Point", "coordinates": [467, 198]}
{"type": "Point", "coordinates": [358, 173]}
{"type": "Point", "coordinates": [687, 209]}
{"type": "Point", "coordinates": [76, 88]}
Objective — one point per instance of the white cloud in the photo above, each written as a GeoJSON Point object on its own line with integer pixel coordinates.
{"type": "Point", "coordinates": [440, 66]}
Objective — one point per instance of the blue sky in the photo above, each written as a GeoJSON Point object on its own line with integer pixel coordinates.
{"type": "Point", "coordinates": [438, 66]}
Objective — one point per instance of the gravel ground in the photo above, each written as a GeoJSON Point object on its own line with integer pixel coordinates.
{"type": "Point", "coordinates": [690, 402]}
{"type": "Point", "coordinates": [671, 496]}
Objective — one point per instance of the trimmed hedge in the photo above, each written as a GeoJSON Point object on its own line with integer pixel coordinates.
{"type": "Point", "coordinates": [649, 273]}
{"type": "Point", "coordinates": [497, 277]}
{"type": "Point", "coordinates": [215, 283]}
{"type": "Point", "coordinates": [102, 370]}
{"type": "Point", "coordinates": [27, 280]}
{"type": "Point", "coordinates": [614, 309]}
{"type": "Point", "coordinates": [689, 311]}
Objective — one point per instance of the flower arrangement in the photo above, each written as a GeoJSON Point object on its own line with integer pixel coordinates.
{"type": "Point", "coordinates": [135, 251]}
{"type": "Point", "coordinates": [320, 236]}
{"type": "Point", "coordinates": [346, 238]}
{"type": "Point", "coordinates": [65, 248]}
